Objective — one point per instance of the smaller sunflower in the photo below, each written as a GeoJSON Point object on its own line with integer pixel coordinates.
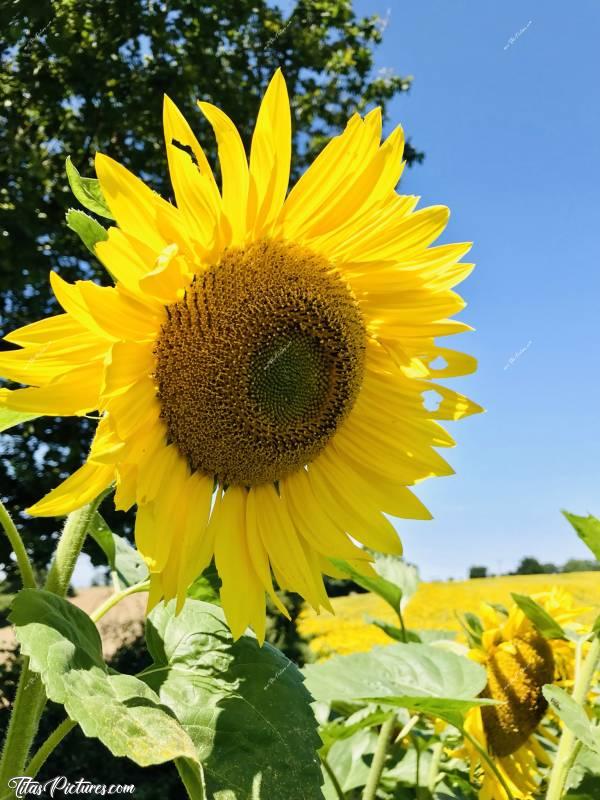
{"type": "Point", "coordinates": [519, 661]}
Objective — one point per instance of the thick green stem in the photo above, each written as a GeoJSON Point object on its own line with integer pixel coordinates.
{"type": "Point", "coordinates": [14, 537]}
{"type": "Point", "coordinates": [24, 720]}
{"type": "Point", "coordinates": [378, 759]}
{"type": "Point", "coordinates": [39, 758]}
{"type": "Point", "coordinates": [434, 768]}
{"type": "Point", "coordinates": [566, 753]}
{"type": "Point", "coordinates": [69, 547]}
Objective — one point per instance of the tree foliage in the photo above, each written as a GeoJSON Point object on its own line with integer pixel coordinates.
{"type": "Point", "coordinates": [81, 76]}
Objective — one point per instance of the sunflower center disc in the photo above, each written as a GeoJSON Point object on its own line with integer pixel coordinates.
{"type": "Point", "coordinates": [259, 363]}
{"type": "Point", "coordinates": [516, 678]}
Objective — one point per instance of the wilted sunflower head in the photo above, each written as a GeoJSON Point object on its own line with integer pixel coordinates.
{"type": "Point", "coordinates": [259, 365]}
{"type": "Point", "coordinates": [519, 661]}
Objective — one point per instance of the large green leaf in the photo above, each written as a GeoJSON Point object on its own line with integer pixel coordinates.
{"type": "Point", "coordinates": [9, 418]}
{"type": "Point", "coordinates": [123, 559]}
{"type": "Point", "coordinates": [573, 715]}
{"type": "Point", "coordinates": [588, 530]}
{"type": "Point", "coordinates": [87, 191]}
{"type": "Point", "coordinates": [542, 620]}
{"type": "Point", "coordinates": [64, 646]}
{"type": "Point", "coordinates": [89, 231]}
{"type": "Point", "coordinates": [415, 676]}
{"type": "Point", "coordinates": [244, 706]}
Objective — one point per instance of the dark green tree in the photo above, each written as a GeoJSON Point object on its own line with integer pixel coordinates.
{"type": "Point", "coordinates": [80, 76]}
{"type": "Point", "coordinates": [531, 566]}
{"type": "Point", "coordinates": [478, 572]}
{"type": "Point", "coordinates": [580, 565]}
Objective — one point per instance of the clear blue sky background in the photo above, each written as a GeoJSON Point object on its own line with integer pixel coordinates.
{"type": "Point", "coordinates": [512, 139]}
{"type": "Point", "coordinates": [511, 132]}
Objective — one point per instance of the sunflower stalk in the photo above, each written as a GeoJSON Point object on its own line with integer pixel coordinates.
{"type": "Point", "coordinates": [49, 745]}
{"type": "Point", "coordinates": [567, 747]}
{"type": "Point", "coordinates": [14, 537]}
{"type": "Point", "coordinates": [378, 762]}
{"type": "Point", "coordinates": [69, 546]}
{"type": "Point", "coordinates": [30, 699]}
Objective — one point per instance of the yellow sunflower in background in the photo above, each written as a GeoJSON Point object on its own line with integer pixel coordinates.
{"type": "Point", "coordinates": [260, 363]}
{"type": "Point", "coordinates": [518, 661]}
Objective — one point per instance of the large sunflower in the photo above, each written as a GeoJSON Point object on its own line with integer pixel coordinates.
{"type": "Point", "coordinates": [259, 366]}
{"type": "Point", "coordinates": [518, 661]}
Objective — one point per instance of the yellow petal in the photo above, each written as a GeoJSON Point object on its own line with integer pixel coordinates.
{"type": "Point", "coordinates": [234, 169]}
{"type": "Point", "coordinates": [169, 277]}
{"type": "Point", "coordinates": [125, 258]}
{"type": "Point", "coordinates": [156, 593]}
{"type": "Point", "coordinates": [322, 533]}
{"type": "Point", "coordinates": [453, 406]}
{"type": "Point", "coordinates": [74, 393]}
{"type": "Point", "coordinates": [125, 486]}
{"type": "Point", "coordinates": [456, 363]}
{"type": "Point", "coordinates": [362, 521]}
{"type": "Point", "coordinates": [198, 540]}
{"type": "Point", "coordinates": [374, 179]}
{"type": "Point", "coordinates": [37, 365]}
{"type": "Point", "coordinates": [380, 494]}
{"type": "Point", "coordinates": [106, 446]}
{"type": "Point", "coordinates": [118, 315]}
{"type": "Point", "coordinates": [242, 594]}
{"type": "Point", "coordinates": [401, 237]}
{"type": "Point", "coordinates": [258, 554]}
{"type": "Point", "coordinates": [199, 209]}
{"type": "Point", "coordinates": [126, 364]}
{"type": "Point", "coordinates": [322, 182]}
{"type": "Point", "coordinates": [282, 544]}
{"type": "Point", "coordinates": [376, 217]}
{"type": "Point", "coordinates": [176, 128]}
{"type": "Point", "coordinates": [69, 297]}
{"type": "Point", "coordinates": [46, 330]}
{"type": "Point", "coordinates": [270, 157]}
{"type": "Point", "coordinates": [134, 410]}
{"type": "Point", "coordinates": [157, 468]}
{"type": "Point", "coordinates": [390, 456]}
{"type": "Point", "coordinates": [156, 520]}
{"type": "Point", "coordinates": [80, 488]}
{"type": "Point", "coordinates": [132, 203]}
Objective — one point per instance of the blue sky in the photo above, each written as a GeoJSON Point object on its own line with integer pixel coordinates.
{"type": "Point", "coordinates": [512, 138]}
{"type": "Point", "coordinates": [505, 105]}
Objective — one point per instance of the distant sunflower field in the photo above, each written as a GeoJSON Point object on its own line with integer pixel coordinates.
{"type": "Point", "coordinates": [434, 606]}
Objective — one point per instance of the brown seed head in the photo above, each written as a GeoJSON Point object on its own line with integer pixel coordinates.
{"type": "Point", "coordinates": [259, 363]}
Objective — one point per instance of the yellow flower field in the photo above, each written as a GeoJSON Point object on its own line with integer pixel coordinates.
{"type": "Point", "coordinates": [434, 606]}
